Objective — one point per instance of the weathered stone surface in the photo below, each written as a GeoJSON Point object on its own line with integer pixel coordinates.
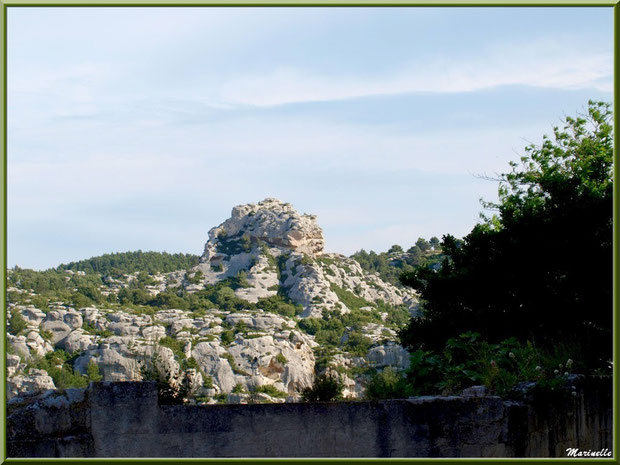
{"type": "Point", "coordinates": [122, 358]}
{"type": "Point", "coordinates": [154, 333]}
{"type": "Point", "coordinates": [34, 382]}
{"type": "Point", "coordinates": [12, 364]}
{"type": "Point", "coordinates": [18, 345]}
{"type": "Point", "coordinates": [73, 320]}
{"type": "Point", "coordinates": [59, 329]}
{"type": "Point", "coordinates": [271, 221]}
{"type": "Point", "coordinates": [126, 420]}
{"type": "Point", "coordinates": [269, 250]}
{"type": "Point", "coordinates": [32, 315]}
{"type": "Point", "coordinates": [78, 341]}
{"type": "Point", "coordinates": [391, 354]}
{"type": "Point", "coordinates": [29, 346]}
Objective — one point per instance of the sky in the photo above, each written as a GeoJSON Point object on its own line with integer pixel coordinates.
{"type": "Point", "coordinates": [141, 128]}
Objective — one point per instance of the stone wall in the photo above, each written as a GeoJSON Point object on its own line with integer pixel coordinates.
{"type": "Point", "coordinates": [123, 419]}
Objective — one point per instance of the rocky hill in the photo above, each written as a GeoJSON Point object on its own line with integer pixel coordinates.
{"type": "Point", "coordinates": [263, 311]}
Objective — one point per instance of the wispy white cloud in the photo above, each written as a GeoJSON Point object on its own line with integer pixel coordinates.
{"type": "Point", "coordinates": [143, 130]}
{"type": "Point", "coordinates": [547, 68]}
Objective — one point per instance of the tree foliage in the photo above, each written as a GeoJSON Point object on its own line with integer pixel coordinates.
{"type": "Point", "coordinates": [391, 264]}
{"type": "Point", "coordinates": [388, 384]}
{"type": "Point", "coordinates": [326, 388]}
{"type": "Point", "coordinates": [130, 262]}
{"type": "Point", "coordinates": [541, 268]}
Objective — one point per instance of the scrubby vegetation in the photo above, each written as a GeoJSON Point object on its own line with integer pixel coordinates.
{"type": "Point", "coordinates": [271, 391]}
{"type": "Point", "coordinates": [59, 365]}
{"type": "Point", "coordinates": [327, 387]}
{"type": "Point", "coordinates": [391, 264]}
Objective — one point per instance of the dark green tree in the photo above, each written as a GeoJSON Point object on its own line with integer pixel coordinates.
{"type": "Point", "coordinates": [326, 388]}
{"type": "Point", "coordinates": [541, 267]}
{"type": "Point", "coordinates": [423, 244]}
{"type": "Point", "coordinates": [395, 249]}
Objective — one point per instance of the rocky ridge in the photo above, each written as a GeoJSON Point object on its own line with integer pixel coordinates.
{"type": "Point", "coordinates": [264, 253]}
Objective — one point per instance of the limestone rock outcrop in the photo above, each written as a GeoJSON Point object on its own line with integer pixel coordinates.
{"type": "Point", "coordinates": [36, 381]}
{"type": "Point", "coordinates": [271, 221]}
{"type": "Point", "coordinates": [270, 272]}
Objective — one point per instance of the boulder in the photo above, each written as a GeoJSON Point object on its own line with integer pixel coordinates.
{"type": "Point", "coordinates": [390, 354]}
{"type": "Point", "coordinates": [32, 315]}
{"type": "Point", "coordinates": [37, 345]}
{"type": "Point", "coordinates": [12, 364]}
{"type": "Point", "coordinates": [36, 381]}
{"type": "Point", "coordinates": [73, 320]}
{"type": "Point", "coordinates": [19, 346]}
{"type": "Point", "coordinates": [58, 328]}
{"type": "Point", "coordinates": [78, 341]}
{"type": "Point", "coordinates": [153, 333]}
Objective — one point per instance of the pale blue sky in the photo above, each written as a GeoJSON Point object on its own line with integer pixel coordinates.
{"type": "Point", "coordinates": [140, 128]}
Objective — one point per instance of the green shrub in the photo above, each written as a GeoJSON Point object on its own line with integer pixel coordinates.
{"type": "Point", "coordinates": [207, 382]}
{"type": "Point", "coordinates": [329, 337]}
{"type": "Point", "coordinates": [96, 332]}
{"type": "Point", "coordinates": [311, 325]}
{"type": "Point", "coordinates": [116, 264]}
{"type": "Point", "coordinates": [272, 391]}
{"type": "Point", "coordinates": [281, 305]}
{"type": "Point", "coordinates": [357, 343]}
{"type": "Point", "coordinates": [227, 337]}
{"type": "Point", "coordinates": [388, 384]}
{"type": "Point", "coordinates": [325, 388]}
{"type": "Point", "coordinates": [191, 364]}
{"type": "Point", "coordinates": [17, 324]}
{"type": "Point", "coordinates": [240, 281]}
{"type": "Point", "coordinates": [166, 393]}
{"type": "Point", "coordinates": [59, 365]}
{"type": "Point", "coordinates": [352, 301]}
{"type": "Point", "coordinates": [281, 359]}
{"type": "Point", "coordinates": [238, 389]}
{"type": "Point", "coordinates": [40, 302]}
{"type": "Point", "coordinates": [175, 345]}
{"type": "Point", "coordinates": [92, 372]}
{"type": "Point", "coordinates": [468, 360]}
{"type": "Point", "coordinates": [196, 278]}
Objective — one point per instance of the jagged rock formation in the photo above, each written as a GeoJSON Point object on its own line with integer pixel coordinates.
{"type": "Point", "coordinates": [276, 247]}
{"type": "Point", "coordinates": [271, 221]}
{"type": "Point", "coordinates": [264, 251]}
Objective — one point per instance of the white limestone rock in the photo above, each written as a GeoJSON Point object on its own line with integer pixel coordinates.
{"type": "Point", "coordinates": [153, 333]}
{"type": "Point", "coordinates": [73, 320]}
{"type": "Point", "coordinates": [79, 340]}
{"type": "Point", "coordinates": [390, 354]}
{"type": "Point", "coordinates": [209, 356]}
{"type": "Point", "coordinates": [37, 345]}
{"type": "Point", "coordinates": [271, 221]}
{"type": "Point", "coordinates": [58, 328]}
{"type": "Point", "coordinates": [29, 346]}
{"type": "Point", "coordinates": [18, 346]}
{"type": "Point", "coordinates": [36, 381]}
{"type": "Point", "coordinates": [32, 315]}
{"type": "Point", "coordinates": [121, 358]}
{"type": "Point", "coordinates": [12, 364]}
{"type": "Point", "coordinates": [262, 279]}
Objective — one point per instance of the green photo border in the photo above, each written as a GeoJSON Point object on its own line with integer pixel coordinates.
{"type": "Point", "coordinates": [7, 4]}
